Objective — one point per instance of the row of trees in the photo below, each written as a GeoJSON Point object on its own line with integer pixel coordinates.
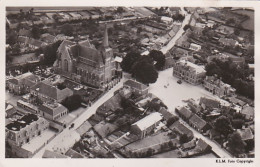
{"type": "Point", "coordinates": [144, 68]}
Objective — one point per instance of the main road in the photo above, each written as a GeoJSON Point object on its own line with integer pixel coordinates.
{"type": "Point", "coordinates": [66, 139]}
{"type": "Point", "coordinates": [172, 42]}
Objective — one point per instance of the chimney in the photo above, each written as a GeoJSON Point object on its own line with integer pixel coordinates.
{"type": "Point", "coordinates": [105, 40]}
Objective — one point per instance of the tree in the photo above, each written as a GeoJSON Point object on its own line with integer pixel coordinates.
{"type": "Point", "coordinates": [186, 27]}
{"type": "Point", "coordinates": [67, 29]}
{"type": "Point", "coordinates": [120, 10]}
{"type": "Point", "coordinates": [231, 21]}
{"type": "Point", "coordinates": [236, 144]}
{"type": "Point", "coordinates": [223, 125]}
{"type": "Point", "coordinates": [237, 123]}
{"type": "Point", "coordinates": [72, 102]}
{"type": "Point", "coordinates": [144, 72]}
{"type": "Point", "coordinates": [129, 60]}
{"type": "Point", "coordinates": [49, 53]}
{"type": "Point", "coordinates": [159, 58]}
{"type": "Point", "coordinates": [11, 38]}
{"type": "Point", "coordinates": [184, 139]}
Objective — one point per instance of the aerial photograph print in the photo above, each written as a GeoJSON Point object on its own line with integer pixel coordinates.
{"type": "Point", "coordinates": [129, 82]}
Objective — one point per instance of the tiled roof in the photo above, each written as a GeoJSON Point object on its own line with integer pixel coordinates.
{"type": "Point", "coordinates": [84, 128]}
{"type": "Point", "coordinates": [166, 114]}
{"type": "Point", "coordinates": [202, 145]}
{"type": "Point", "coordinates": [209, 102]}
{"type": "Point", "coordinates": [48, 38]}
{"type": "Point", "coordinates": [197, 121]}
{"type": "Point", "coordinates": [24, 32]}
{"type": "Point", "coordinates": [180, 128]}
{"type": "Point", "coordinates": [135, 84]}
{"type": "Point", "coordinates": [184, 111]}
{"type": "Point", "coordinates": [73, 154]}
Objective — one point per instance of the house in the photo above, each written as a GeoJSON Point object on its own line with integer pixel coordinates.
{"type": "Point", "coordinates": [228, 42]}
{"type": "Point", "coordinates": [195, 47]}
{"type": "Point", "coordinates": [48, 38]}
{"type": "Point", "coordinates": [189, 72]}
{"type": "Point", "coordinates": [35, 44]}
{"type": "Point", "coordinates": [198, 123]}
{"type": "Point", "coordinates": [9, 110]}
{"type": "Point", "coordinates": [248, 112]}
{"type": "Point", "coordinates": [23, 130]}
{"type": "Point", "coordinates": [169, 61]}
{"type": "Point", "coordinates": [165, 113]}
{"type": "Point", "coordinates": [45, 92]}
{"type": "Point", "coordinates": [73, 154]}
{"type": "Point", "coordinates": [84, 63]}
{"type": "Point", "coordinates": [194, 107]}
{"type": "Point", "coordinates": [218, 87]}
{"type": "Point", "coordinates": [146, 125]}
{"type": "Point", "coordinates": [52, 111]}
{"type": "Point", "coordinates": [181, 129]}
{"type": "Point", "coordinates": [202, 146]}
{"type": "Point", "coordinates": [167, 20]}
{"type": "Point", "coordinates": [207, 103]}
{"type": "Point", "coordinates": [185, 113]}
{"type": "Point", "coordinates": [24, 33]}
{"type": "Point", "coordinates": [21, 84]}
{"type": "Point", "coordinates": [136, 87]}
{"type": "Point", "coordinates": [189, 145]}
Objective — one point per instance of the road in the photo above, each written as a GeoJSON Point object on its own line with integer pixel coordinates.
{"type": "Point", "coordinates": [172, 42]}
{"type": "Point", "coordinates": [67, 136]}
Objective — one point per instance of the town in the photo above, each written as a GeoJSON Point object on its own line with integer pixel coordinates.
{"type": "Point", "coordinates": [129, 82]}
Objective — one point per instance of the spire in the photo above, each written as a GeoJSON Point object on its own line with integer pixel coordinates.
{"type": "Point", "coordinates": [105, 40]}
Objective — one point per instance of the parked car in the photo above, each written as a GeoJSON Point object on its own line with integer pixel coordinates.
{"type": "Point", "coordinates": [179, 81]}
{"type": "Point", "coordinates": [71, 126]}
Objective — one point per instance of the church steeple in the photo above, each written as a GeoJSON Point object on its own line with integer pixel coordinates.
{"type": "Point", "coordinates": [105, 40]}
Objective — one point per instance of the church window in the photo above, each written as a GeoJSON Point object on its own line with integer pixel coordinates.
{"type": "Point", "coordinates": [66, 65]}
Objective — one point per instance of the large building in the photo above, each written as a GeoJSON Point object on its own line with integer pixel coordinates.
{"type": "Point", "coordinates": [136, 87]}
{"type": "Point", "coordinates": [21, 84]}
{"type": "Point", "coordinates": [217, 87]}
{"type": "Point", "coordinates": [147, 124]}
{"type": "Point", "coordinates": [82, 62]}
{"type": "Point", "coordinates": [189, 72]}
{"type": "Point", "coordinates": [23, 130]}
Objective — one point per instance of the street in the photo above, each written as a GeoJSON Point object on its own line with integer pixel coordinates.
{"type": "Point", "coordinates": [67, 137]}
{"type": "Point", "coordinates": [186, 21]}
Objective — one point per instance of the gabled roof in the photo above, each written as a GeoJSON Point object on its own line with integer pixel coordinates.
{"type": "Point", "coordinates": [24, 32]}
{"type": "Point", "coordinates": [209, 102]}
{"type": "Point", "coordinates": [166, 114]}
{"type": "Point", "coordinates": [48, 38]}
{"type": "Point", "coordinates": [202, 145]}
{"type": "Point", "coordinates": [198, 122]}
{"type": "Point", "coordinates": [180, 128]}
{"type": "Point", "coordinates": [187, 113]}
{"type": "Point", "coordinates": [28, 79]}
{"type": "Point", "coordinates": [148, 121]}
{"type": "Point", "coordinates": [73, 154]}
{"type": "Point", "coordinates": [135, 84]}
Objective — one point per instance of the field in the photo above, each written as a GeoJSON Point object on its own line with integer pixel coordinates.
{"type": "Point", "coordinates": [248, 24]}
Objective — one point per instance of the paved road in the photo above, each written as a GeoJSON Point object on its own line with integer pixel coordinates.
{"type": "Point", "coordinates": [178, 34]}
{"type": "Point", "coordinates": [64, 138]}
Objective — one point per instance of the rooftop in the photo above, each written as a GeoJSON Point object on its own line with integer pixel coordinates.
{"type": "Point", "coordinates": [148, 120]}
{"type": "Point", "coordinates": [198, 122]}
{"type": "Point", "coordinates": [197, 69]}
{"type": "Point", "coordinates": [135, 84]}
{"type": "Point", "coordinates": [22, 122]}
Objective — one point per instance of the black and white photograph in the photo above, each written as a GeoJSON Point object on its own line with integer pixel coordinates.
{"type": "Point", "coordinates": [129, 82]}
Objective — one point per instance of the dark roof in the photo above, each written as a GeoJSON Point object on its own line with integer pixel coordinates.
{"type": "Point", "coordinates": [198, 122]}
{"type": "Point", "coordinates": [135, 84]}
{"type": "Point", "coordinates": [51, 154]}
{"type": "Point", "coordinates": [103, 129]}
{"type": "Point", "coordinates": [184, 111]}
{"type": "Point", "coordinates": [48, 38]}
{"type": "Point", "coordinates": [53, 109]}
{"type": "Point", "coordinates": [209, 102]}
{"type": "Point", "coordinates": [22, 122]}
{"type": "Point", "coordinates": [180, 128]}
{"type": "Point", "coordinates": [84, 128]}
{"type": "Point", "coordinates": [202, 145]}
{"type": "Point", "coordinates": [236, 101]}
{"type": "Point", "coordinates": [166, 114]}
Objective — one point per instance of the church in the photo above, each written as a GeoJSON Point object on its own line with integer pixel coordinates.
{"type": "Point", "coordinates": [82, 62]}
